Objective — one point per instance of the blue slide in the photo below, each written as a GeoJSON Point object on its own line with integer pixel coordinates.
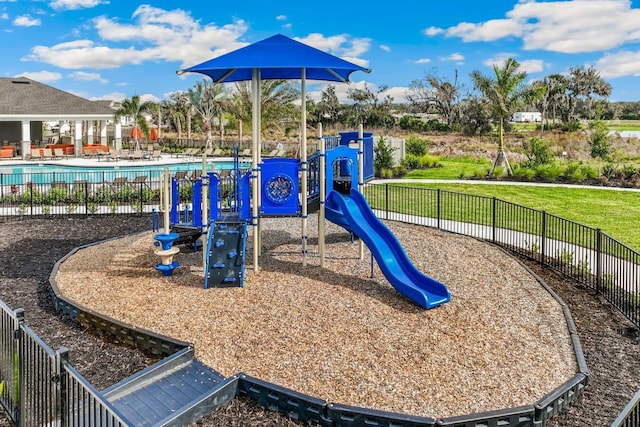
{"type": "Point", "coordinates": [353, 213]}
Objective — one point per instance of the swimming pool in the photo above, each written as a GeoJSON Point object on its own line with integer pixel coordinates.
{"type": "Point", "coordinates": [46, 173]}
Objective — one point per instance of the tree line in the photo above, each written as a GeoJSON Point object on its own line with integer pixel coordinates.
{"type": "Point", "coordinates": [563, 101]}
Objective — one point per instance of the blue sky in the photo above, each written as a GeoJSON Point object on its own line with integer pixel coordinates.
{"type": "Point", "coordinates": [102, 49]}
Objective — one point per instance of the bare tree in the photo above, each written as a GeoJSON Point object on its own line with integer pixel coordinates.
{"type": "Point", "coordinates": [434, 93]}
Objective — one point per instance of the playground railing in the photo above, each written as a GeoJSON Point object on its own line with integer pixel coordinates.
{"type": "Point", "coordinates": [39, 386]}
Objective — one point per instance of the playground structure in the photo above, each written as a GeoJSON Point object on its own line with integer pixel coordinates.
{"type": "Point", "coordinates": [220, 209]}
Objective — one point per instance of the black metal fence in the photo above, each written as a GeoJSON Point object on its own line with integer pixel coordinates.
{"type": "Point", "coordinates": [586, 254]}
{"type": "Point", "coordinates": [104, 192]}
{"type": "Point", "coordinates": [39, 386]}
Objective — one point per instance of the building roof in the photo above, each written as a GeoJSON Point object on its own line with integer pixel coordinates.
{"type": "Point", "coordinates": [24, 99]}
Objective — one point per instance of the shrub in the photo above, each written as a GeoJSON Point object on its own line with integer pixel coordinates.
{"type": "Point", "coordinates": [410, 162]}
{"type": "Point", "coordinates": [609, 170]}
{"type": "Point", "coordinates": [429, 161]}
{"type": "Point", "coordinates": [537, 151]}
{"type": "Point", "coordinates": [628, 171]}
{"type": "Point", "coordinates": [382, 155]}
{"type": "Point", "coordinates": [56, 195]}
{"type": "Point", "coordinates": [549, 172]}
{"type": "Point", "coordinates": [32, 195]}
{"type": "Point", "coordinates": [416, 146]}
{"type": "Point", "coordinates": [599, 141]}
{"type": "Point", "coordinates": [524, 172]}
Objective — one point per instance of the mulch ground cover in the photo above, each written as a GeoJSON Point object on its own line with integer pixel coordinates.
{"type": "Point", "coordinates": [29, 249]}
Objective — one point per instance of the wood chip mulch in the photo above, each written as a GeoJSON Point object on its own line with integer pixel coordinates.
{"type": "Point", "coordinates": [339, 334]}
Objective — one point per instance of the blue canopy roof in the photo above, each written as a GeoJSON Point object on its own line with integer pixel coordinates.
{"type": "Point", "coordinates": [277, 57]}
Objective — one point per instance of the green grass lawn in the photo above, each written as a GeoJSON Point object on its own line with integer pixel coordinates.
{"type": "Point", "coordinates": [615, 212]}
{"type": "Point", "coordinates": [453, 169]}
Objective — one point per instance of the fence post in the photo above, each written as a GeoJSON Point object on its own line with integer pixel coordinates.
{"type": "Point", "coordinates": [386, 201]}
{"type": "Point", "coordinates": [598, 260]}
{"type": "Point", "coordinates": [438, 209]}
{"type": "Point", "coordinates": [543, 237]}
{"type": "Point", "coordinates": [18, 371]}
{"type": "Point", "coordinates": [60, 380]}
{"type": "Point", "coordinates": [86, 198]}
{"type": "Point", "coordinates": [494, 215]}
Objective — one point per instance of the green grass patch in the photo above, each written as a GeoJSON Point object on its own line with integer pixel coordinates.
{"type": "Point", "coordinates": [614, 212]}
{"type": "Point", "coordinates": [453, 169]}
{"type": "Point", "coordinates": [619, 125]}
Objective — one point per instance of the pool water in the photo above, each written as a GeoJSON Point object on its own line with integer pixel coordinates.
{"type": "Point", "coordinates": [45, 174]}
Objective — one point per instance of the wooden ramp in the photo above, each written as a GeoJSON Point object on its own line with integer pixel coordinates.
{"type": "Point", "coordinates": [173, 392]}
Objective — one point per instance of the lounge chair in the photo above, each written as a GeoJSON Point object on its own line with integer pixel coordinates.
{"type": "Point", "coordinates": [280, 153]}
{"type": "Point", "coordinates": [47, 153]}
{"type": "Point", "coordinates": [195, 174]}
{"type": "Point", "coordinates": [59, 184]}
{"type": "Point", "coordinates": [180, 175]}
{"type": "Point", "coordinates": [36, 154]}
{"type": "Point", "coordinates": [58, 153]}
{"type": "Point", "coordinates": [217, 152]}
{"type": "Point", "coordinates": [140, 180]}
{"type": "Point", "coordinates": [157, 154]}
{"type": "Point", "coordinates": [272, 153]}
{"type": "Point", "coordinates": [113, 155]}
{"type": "Point", "coordinates": [118, 182]}
{"type": "Point", "coordinates": [246, 152]}
{"type": "Point", "coordinates": [189, 152]}
{"type": "Point", "coordinates": [137, 155]}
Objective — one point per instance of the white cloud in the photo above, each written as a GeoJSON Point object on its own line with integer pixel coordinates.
{"type": "Point", "coordinates": [4, 15]}
{"type": "Point", "coordinates": [26, 21]}
{"type": "Point", "coordinates": [498, 59]}
{"type": "Point", "coordinates": [527, 65]}
{"type": "Point", "coordinates": [281, 18]}
{"type": "Point", "coordinates": [456, 57]}
{"type": "Point", "coordinates": [349, 49]}
{"type": "Point", "coordinates": [153, 35]}
{"type": "Point", "coordinates": [570, 26]}
{"type": "Point", "coordinates": [433, 31]}
{"type": "Point", "coordinates": [385, 48]}
{"type": "Point", "coordinates": [422, 61]}
{"type": "Point", "coordinates": [532, 65]}
{"type": "Point", "coordinates": [88, 77]}
{"type": "Point", "coordinates": [624, 63]}
{"type": "Point", "coordinates": [42, 76]}
{"type": "Point", "coordinates": [398, 93]}
{"type": "Point", "coordinates": [113, 96]}
{"type": "Point", "coordinates": [75, 4]}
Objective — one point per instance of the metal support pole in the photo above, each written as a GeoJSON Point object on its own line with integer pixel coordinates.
{"type": "Point", "coordinates": [361, 173]}
{"type": "Point", "coordinates": [323, 195]}
{"type": "Point", "coordinates": [303, 164]}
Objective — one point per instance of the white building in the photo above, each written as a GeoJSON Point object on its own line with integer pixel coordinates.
{"type": "Point", "coordinates": [527, 117]}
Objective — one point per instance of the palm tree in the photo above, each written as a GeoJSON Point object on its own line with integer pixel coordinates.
{"type": "Point", "coordinates": [276, 103]}
{"type": "Point", "coordinates": [505, 94]}
{"type": "Point", "coordinates": [207, 100]}
{"type": "Point", "coordinates": [134, 109]}
{"type": "Point", "coordinates": [184, 103]}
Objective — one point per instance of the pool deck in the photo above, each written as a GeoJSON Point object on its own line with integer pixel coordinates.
{"type": "Point", "coordinates": [166, 159]}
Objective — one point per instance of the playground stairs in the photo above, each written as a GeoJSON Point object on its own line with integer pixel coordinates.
{"type": "Point", "coordinates": [176, 391]}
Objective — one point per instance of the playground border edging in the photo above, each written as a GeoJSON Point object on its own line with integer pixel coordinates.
{"type": "Point", "coordinates": [308, 408]}
{"type": "Point", "coordinates": [136, 337]}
